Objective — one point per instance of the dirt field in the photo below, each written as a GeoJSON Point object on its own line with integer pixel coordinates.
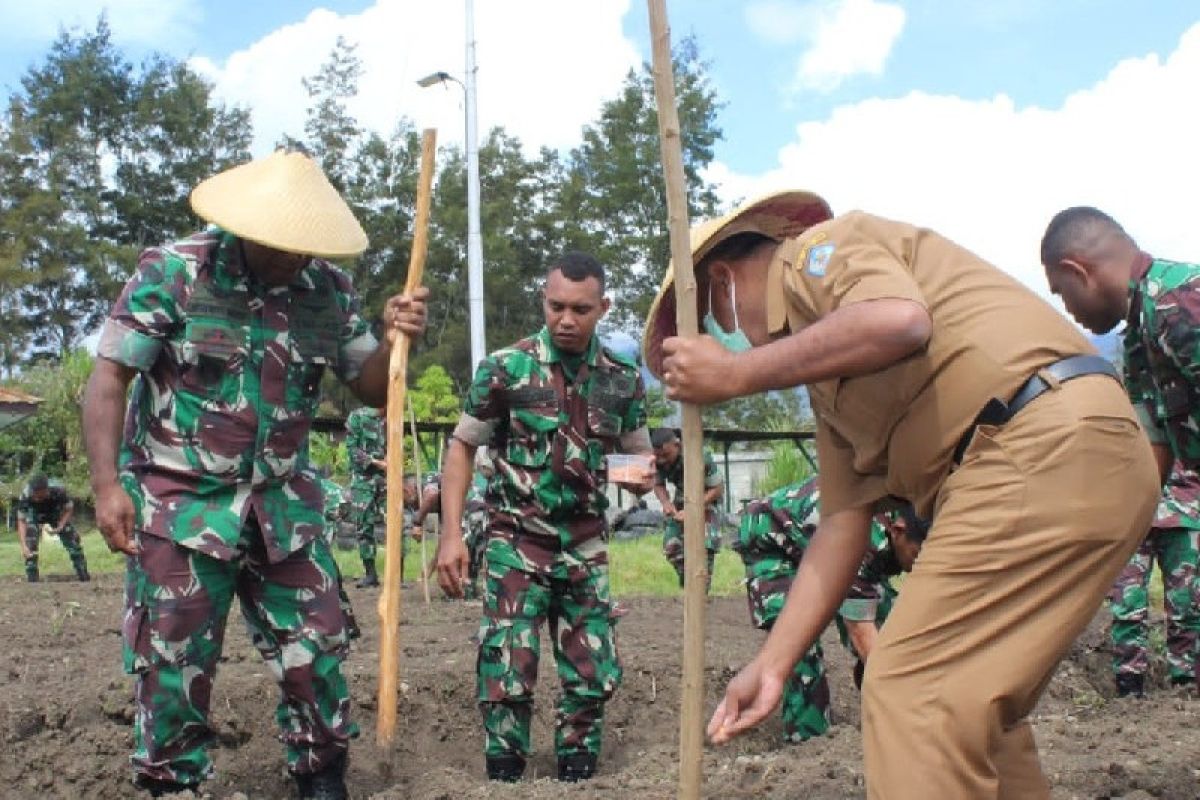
{"type": "Point", "coordinates": [65, 714]}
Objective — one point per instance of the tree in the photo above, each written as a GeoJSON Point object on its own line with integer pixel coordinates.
{"type": "Point", "coordinates": [614, 194]}
{"type": "Point", "coordinates": [96, 161]}
{"type": "Point", "coordinates": [332, 132]}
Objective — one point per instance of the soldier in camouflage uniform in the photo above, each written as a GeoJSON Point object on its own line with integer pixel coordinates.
{"type": "Point", "coordinates": [1103, 278]}
{"type": "Point", "coordinates": [668, 465]}
{"type": "Point", "coordinates": [366, 444]}
{"type": "Point", "coordinates": [772, 537]}
{"type": "Point", "coordinates": [45, 502]}
{"type": "Point", "coordinates": [549, 408]}
{"type": "Point", "coordinates": [209, 491]}
{"type": "Point", "coordinates": [1173, 543]}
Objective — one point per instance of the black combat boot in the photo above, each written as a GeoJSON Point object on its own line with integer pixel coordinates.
{"type": "Point", "coordinates": [1131, 685]}
{"type": "Point", "coordinates": [81, 572]}
{"type": "Point", "coordinates": [31, 570]}
{"type": "Point", "coordinates": [158, 787]}
{"type": "Point", "coordinates": [370, 577]}
{"type": "Point", "coordinates": [576, 767]}
{"type": "Point", "coordinates": [505, 768]}
{"type": "Point", "coordinates": [326, 784]}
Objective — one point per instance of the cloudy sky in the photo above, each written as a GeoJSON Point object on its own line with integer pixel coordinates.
{"type": "Point", "coordinates": [976, 117]}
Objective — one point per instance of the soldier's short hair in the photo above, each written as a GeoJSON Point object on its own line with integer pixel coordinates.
{"type": "Point", "coordinates": [1071, 229]}
{"type": "Point", "coordinates": [660, 437]}
{"type": "Point", "coordinates": [578, 266]}
{"type": "Point", "coordinates": [39, 482]}
{"type": "Point", "coordinates": [915, 528]}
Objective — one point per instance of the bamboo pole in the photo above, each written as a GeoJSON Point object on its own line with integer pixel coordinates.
{"type": "Point", "coordinates": [691, 721]}
{"type": "Point", "coordinates": [389, 633]}
{"type": "Point", "coordinates": [420, 470]}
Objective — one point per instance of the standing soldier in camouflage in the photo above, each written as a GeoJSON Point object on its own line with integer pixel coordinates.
{"type": "Point", "coordinates": [549, 408]}
{"type": "Point", "coordinates": [668, 466]}
{"type": "Point", "coordinates": [1173, 543]}
{"type": "Point", "coordinates": [209, 491]}
{"type": "Point", "coordinates": [45, 502]}
{"type": "Point", "coordinates": [366, 443]}
{"type": "Point", "coordinates": [773, 535]}
{"type": "Point", "coordinates": [1103, 278]}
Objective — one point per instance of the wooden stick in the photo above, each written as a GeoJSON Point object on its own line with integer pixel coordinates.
{"type": "Point", "coordinates": [695, 567]}
{"type": "Point", "coordinates": [389, 633]}
{"type": "Point", "coordinates": [420, 469]}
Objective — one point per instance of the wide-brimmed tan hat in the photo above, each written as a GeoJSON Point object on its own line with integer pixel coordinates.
{"type": "Point", "coordinates": [282, 201]}
{"type": "Point", "coordinates": [780, 216]}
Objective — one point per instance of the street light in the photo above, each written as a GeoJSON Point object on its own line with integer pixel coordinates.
{"type": "Point", "coordinates": [474, 238]}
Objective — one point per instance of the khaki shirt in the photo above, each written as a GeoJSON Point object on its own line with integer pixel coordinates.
{"type": "Point", "coordinates": [893, 432]}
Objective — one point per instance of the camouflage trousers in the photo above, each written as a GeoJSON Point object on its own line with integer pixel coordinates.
{"type": "Point", "coordinates": [673, 544]}
{"type": "Point", "coordinates": [806, 696]}
{"type": "Point", "coordinates": [70, 542]}
{"type": "Point", "coordinates": [367, 497]}
{"type": "Point", "coordinates": [531, 579]}
{"type": "Point", "coordinates": [1178, 555]}
{"type": "Point", "coordinates": [177, 602]}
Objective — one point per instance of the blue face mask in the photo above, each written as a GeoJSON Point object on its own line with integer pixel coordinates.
{"type": "Point", "coordinates": [734, 341]}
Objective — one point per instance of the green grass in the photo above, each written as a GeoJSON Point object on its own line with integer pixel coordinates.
{"type": "Point", "coordinates": [638, 567]}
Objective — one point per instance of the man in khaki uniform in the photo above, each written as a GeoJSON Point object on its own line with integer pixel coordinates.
{"type": "Point", "coordinates": [938, 379]}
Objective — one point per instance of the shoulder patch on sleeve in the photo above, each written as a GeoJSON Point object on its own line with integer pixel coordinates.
{"type": "Point", "coordinates": [818, 259]}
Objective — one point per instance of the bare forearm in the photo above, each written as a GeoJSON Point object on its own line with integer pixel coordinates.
{"type": "Point", "coordinates": [66, 515]}
{"type": "Point", "coordinates": [103, 419]}
{"type": "Point", "coordinates": [825, 573]}
{"type": "Point", "coordinates": [713, 494]}
{"type": "Point", "coordinates": [371, 386]}
{"type": "Point", "coordinates": [862, 636]}
{"type": "Point", "coordinates": [855, 340]}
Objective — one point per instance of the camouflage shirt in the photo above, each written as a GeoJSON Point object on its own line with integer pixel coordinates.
{"type": "Point", "coordinates": [366, 440]}
{"type": "Point", "coordinates": [673, 474]}
{"type": "Point", "coordinates": [783, 524]}
{"type": "Point", "coordinates": [46, 512]}
{"type": "Point", "coordinates": [1180, 504]}
{"type": "Point", "coordinates": [228, 385]}
{"type": "Point", "coordinates": [549, 434]}
{"type": "Point", "coordinates": [1162, 356]}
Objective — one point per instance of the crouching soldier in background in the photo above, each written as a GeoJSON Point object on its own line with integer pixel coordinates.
{"type": "Point", "coordinates": [45, 502]}
{"type": "Point", "coordinates": [772, 538]}
{"type": "Point", "coordinates": [668, 463]}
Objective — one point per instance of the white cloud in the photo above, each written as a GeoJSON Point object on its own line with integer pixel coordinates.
{"type": "Point", "coordinates": [146, 22]}
{"type": "Point", "coordinates": [990, 174]}
{"type": "Point", "coordinates": [843, 38]}
{"type": "Point", "coordinates": [544, 67]}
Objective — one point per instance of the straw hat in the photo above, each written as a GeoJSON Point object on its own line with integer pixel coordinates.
{"type": "Point", "coordinates": [781, 215]}
{"type": "Point", "coordinates": [282, 201]}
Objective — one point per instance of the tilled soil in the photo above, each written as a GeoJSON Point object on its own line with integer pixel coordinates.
{"type": "Point", "coordinates": [65, 712]}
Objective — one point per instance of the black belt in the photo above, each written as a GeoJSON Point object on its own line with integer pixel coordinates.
{"type": "Point", "coordinates": [998, 412]}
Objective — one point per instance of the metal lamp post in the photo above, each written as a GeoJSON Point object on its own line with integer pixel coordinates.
{"type": "Point", "coordinates": [474, 238]}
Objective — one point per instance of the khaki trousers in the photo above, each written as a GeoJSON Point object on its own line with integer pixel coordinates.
{"type": "Point", "coordinates": [1028, 535]}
